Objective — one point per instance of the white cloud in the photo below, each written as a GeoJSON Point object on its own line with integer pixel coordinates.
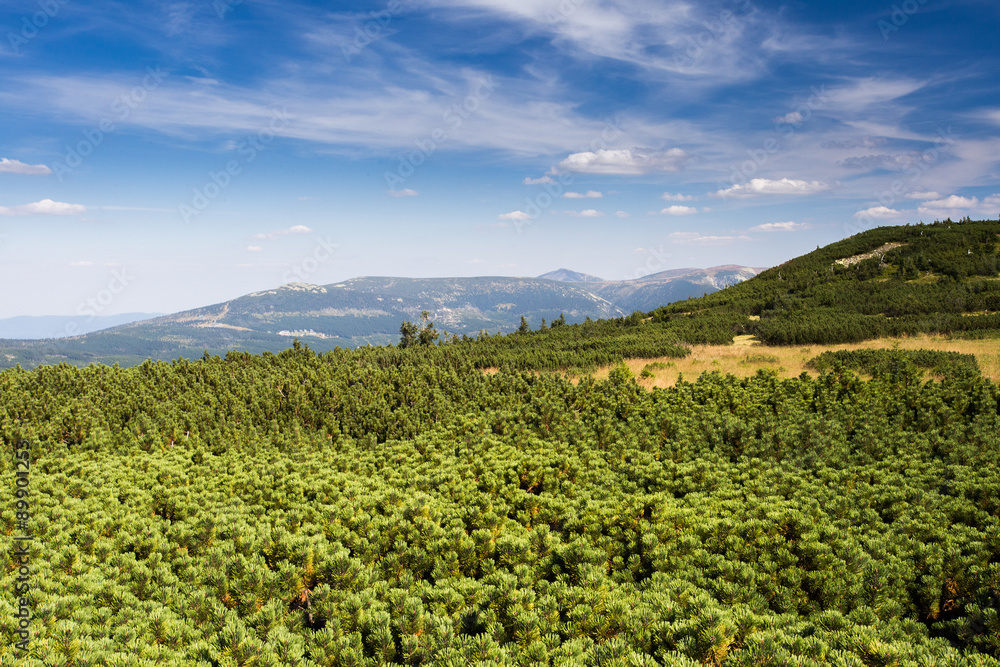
{"type": "Point", "coordinates": [589, 194]}
{"type": "Point", "coordinates": [622, 214]}
{"type": "Point", "coordinates": [537, 181]}
{"type": "Point", "coordinates": [879, 213]}
{"type": "Point", "coordinates": [514, 215]}
{"type": "Point", "coordinates": [405, 192]}
{"type": "Point", "coordinates": [791, 118]}
{"type": "Point", "coordinates": [625, 161]}
{"type": "Point", "coordinates": [137, 208]}
{"type": "Point", "coordinates": [766, 186]}
{"type": "Point", "coordinates": [18, 167]}
{"type": "Point", "coordinates": [254, 248]}
{"type": "Point", "coordinates": [954, 206]}
{"type": "Point", "coordinates": [671, 197]}
{"type": "Point", "coordinates": [694, 238]}
{"type": "Point", "coordinates": [923, 195]}
{"type": "Point", "coordinates": [295, 229]}
{"type": "Point", "coordinates": [952, 202]}
{"type": "Point", "coordinates": [780, 227]}
{"type": "Point", "coordinates": [679, 210]}
{"type": "Point", "coordinates": [44, 207]}
{"type": "Point", "coordinates": [590, 213]}
{"type": "Point", "coordinates": [862, 94]}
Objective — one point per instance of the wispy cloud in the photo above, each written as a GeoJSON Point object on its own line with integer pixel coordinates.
{"type": "Point", "coordinates": [544, 180]}
{"type": "Point", "coordinates": [672, 197]}
{"type": "Point", "coordinates": [405, 192]}
{"type": "Point", "coordinates": [587, 213]}
{"type": "Point", "coordinates": [8, 166]}
{"type": "Point", "coordinates": [136, 208]}
{"type": "Point", "coordinates": [44, 207]}
{"type": "Point", "coordinates": [781, 227]}
{"type": "Point", "coordinates": [695, 238]}
{"type": "Point", "coordinates": [295, 229]}
{"type": "Point", "coordinates": [589, 194]}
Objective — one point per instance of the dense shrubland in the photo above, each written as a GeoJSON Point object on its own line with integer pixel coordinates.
{"type": "Point", "coordinates": [396, 506]}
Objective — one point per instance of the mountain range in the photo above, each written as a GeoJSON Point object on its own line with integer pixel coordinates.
{"type": "Point", "coordinates": [369, 310]}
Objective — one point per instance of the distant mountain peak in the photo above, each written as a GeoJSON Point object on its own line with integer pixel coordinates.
{"type": "Point", "coordinates": [565, 275]}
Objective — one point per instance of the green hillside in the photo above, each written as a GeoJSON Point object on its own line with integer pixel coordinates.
{"type": "Point", "coordinates": [399, 506]}
{"type": "Point", "coordinates": [889, 281]}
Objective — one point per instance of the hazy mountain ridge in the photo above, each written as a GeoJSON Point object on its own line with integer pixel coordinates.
{"type": "Point", "coordinates": [566, 275]}
{"type": "Point", "coordinates": [61, 326]}
{"type": "Point", "coordinates": [369, 310]}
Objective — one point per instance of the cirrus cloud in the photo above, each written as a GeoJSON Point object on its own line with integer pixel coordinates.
{"type": "Point", "coordinates": [694, 238]}
{"type": "Point", "coordinates": [781, 227]}
{"type": "Point", "coordinates": [294, 229]}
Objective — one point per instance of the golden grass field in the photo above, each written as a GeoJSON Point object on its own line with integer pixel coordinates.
{"type": "Point", "coordinates": [745, 356]}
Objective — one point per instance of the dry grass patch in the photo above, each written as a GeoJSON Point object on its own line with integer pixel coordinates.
{"type": "Point", "coordinates": [745, 357]}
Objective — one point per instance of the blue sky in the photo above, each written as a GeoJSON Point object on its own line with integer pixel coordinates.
{"type": "Point", "coordinates": [157, 156]}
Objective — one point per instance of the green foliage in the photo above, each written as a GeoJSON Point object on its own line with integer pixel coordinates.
{"type": "Point", "coordinates": [881, 362]}
{"type": "Point", "coordinates": [395, 506]}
